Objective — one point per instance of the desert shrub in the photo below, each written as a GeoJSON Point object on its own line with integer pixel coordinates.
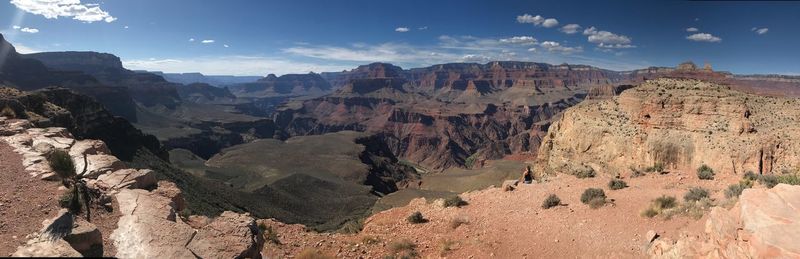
{"type": "Point", "coordinates": [768, 180]}
{"type": "Point", "coordinates": [734, 190]}
{"type": "Point", "coordinates": [270, 235]}
{"type": "Point", "coordinates": [455, 201]}
{"type": "Point", "coordinates": [470, 161]}
{"type": "Point", "coordinates": [70, 202]}
{"type": "Point", "coordinates": [312, 253]}
{"type": "Point", "coordinates": [551, 201]}
{"type": "Point", "coordinates": [660, 205]}
{"type": "Point", "coordinates": [750, 175]}
{"type": "Point", "coordinates": [695, 194]}
{"type": "Point", "coordinates": [594, 197]}
{"type": "Point", "coordinates": [791, 179]}
{"type": "Point", "coordinates": [705, 173]}
{"type": "Point", "coordinates": [403, 249]}
{"type": "Point", "coordinates": [416, 218]}
{"type": "Point", "coordinates": [586, 173]}
{"type": "Point", "coordinates": [636, 172]}
{"type": "Point", "coordinates": [370, 240]}
{"type": "Point", "coordinates": [458, 221]}
{"type": "Point", "coordinates": [658, 167]}
{"type": "Point", "coordinates": [617, 184]}
{"type": "Point", "coordinates": [61, 162]}
{"type": "Point", "coordinates": [447, 246]}
{"type": "Point", "coordinates": [352, 227]}
{"type": "Point", "coordinates": [8, 113]}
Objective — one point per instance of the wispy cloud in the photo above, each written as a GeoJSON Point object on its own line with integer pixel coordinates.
{"type": "Point", "coordinates": [226, 45]}
{"type": "Point", "coordinates": [191, 39]}
{"type": "Point", "coordinates": [703, 37]}
{"type": "Point", "coordinates": [52, 9]}
{"type": "Point", "coordinates": [29, 30]}
{"type": "Point", "coordinates": [422, 28]}
{"type": "Point", "coordinates": [207, 41]}
{"type": "Point", "coordinates": [525, 40]}
{"type": "Point", "coordinates": [760, 31]}
{"type": "Point", "coordinates": [692, 29]}
{"type": "Point", "coordinates": [401, 29]}
{"type": "Point", "coordinates": [557, 47]}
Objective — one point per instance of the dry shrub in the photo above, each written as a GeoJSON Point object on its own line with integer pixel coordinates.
{"type": "Point", "coordinates": [312, 253]}
{"type": "Point", "coordinates": [551, 201]}
{"type": "Point", "coordinates": [458, 221]}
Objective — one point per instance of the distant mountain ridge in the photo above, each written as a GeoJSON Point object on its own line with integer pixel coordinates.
{"type": "Point", "coordinates": [215, 80]}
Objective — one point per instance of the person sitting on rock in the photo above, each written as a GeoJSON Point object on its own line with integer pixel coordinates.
{"type": "Point", "coordinates": [527, 176]}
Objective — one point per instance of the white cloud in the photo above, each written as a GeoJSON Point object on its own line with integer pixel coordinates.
{"type": "Point", "coordinates": [17, 27]}
{"type": "Point", "coordinates": [761, 31]}
{"type": "Point", "coordinates": [191, 39]}
{"type": "Point", "coordinates": [605, 37]}
{"type": "Point", "coordinates": [692, 29]}
{"type": "Point", "coordinates": [553, 46]}
{"type": "Point", "coordinates": [537, 20]}
{"type": "Point", "coordinates": [226, 45]}
{"type": "Point", "coordinates": [29, 30]}
{"type": "Point", "coordinates": [126, 26]}
{"type": "Point", "coordinates": [590, 31]}
{"type": "Point", "coordinates": [527, 18]}
{"type": "Point", "coordinates": [524, 40]}
{"type": "Point", "coordinates": [550, 23]}
{"type": "Point", "coordinates": [401, 29]}
{"type": "Point", "coordinates": [704, 37]}
{"type": "Point", "coordinates": [231, 65]}
{"type": "Point", "coordinates": [422, 28]}
{"type": "Point", "coordinates": [52, 9]}
{"type": "Point", "coordinates": [615, 46]}
{"type": "Point", "coordinates": [570, 28]}
{"type": "Point", "coordinates": [207, 41]}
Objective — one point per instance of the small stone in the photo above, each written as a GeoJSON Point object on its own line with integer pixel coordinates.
{"type": "Point", "coordinates": [650, 236]}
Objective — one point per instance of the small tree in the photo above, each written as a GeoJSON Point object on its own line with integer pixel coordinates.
{"type": "Point", "coordinates": [705, 172]}
{"type": "Point", "coordinates": [78, 195]}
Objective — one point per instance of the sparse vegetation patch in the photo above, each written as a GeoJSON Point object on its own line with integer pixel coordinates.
{"type": "Point", "coordinates": [455, 201]}
{"type": "Point", "coordinates": [594, 197]}
{"type": "Point", "coordinates": [695, 194]}
{"type": "Point", "coordinates": [705, 172]}
{"type": "Point", "coordinates": [416, 218]}
{"type": "Point", "coordinates": [551, 201]}
{"type": "Point", "coordinates": [617, 184]}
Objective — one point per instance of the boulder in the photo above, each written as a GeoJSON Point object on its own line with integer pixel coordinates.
{"type": "Point", "coordinates": [170, 190]}
{"type": "Point", "coordinates": [509, 185]}
{"type": "Point", "coordinates": [88, 147]}
{"type": "Point", "coordinates": [127, 178]}
{"type": "Point", "coordinates": [42, 247]}
{"type": "Point", "coordinates": [85, 238]}
{"type": "Point", "coordinates": [149, 227]}
{"type": "Point", "coordinates": [231, 235]}
{"type": "Point", "coordinates": [98, 165]}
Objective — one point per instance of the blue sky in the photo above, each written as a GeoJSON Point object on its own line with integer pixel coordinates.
{"type": "Point", "coordinates": [261, 37]}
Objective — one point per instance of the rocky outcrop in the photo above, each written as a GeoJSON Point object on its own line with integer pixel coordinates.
{"type": "Point", "coordinates": [680, 123]}
{"type": "Point", "coordinates": [204, 93]}
{"type": "Point", "coordinates": [149, 226]}
{"type": "Point", "coordinates": [285, 85]}
{"type": "Point", "coordinates": [763, 224]}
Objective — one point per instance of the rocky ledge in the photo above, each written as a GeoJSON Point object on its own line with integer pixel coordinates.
{"type": "Point", "coordinates": [149, 225]}
{"type": "Point", "coordinates": [763, 224]}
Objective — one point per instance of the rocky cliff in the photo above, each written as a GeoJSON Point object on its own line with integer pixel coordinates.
{"type": "Point", "coordinates": [679, 123]}
{"type": "Point", "coordinates": [446, 115]}
{"type": "Point", "coordinates": [285, 85]}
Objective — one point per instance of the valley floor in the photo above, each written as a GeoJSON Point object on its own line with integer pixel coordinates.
{"type": "Point", "coordinates": [513, 224]}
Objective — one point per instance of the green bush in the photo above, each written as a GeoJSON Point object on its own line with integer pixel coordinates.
{"type": "Point", "coordinates": [791, 179]}
{"type": "Point", "coordinates": [455, 201]}
{"type": "Point", "coordinates": [586, 173]}
{"type": "Point", "coordinates": [734, 190]}
{"type": "Point", "coordinates": [695, 194]}
{"type": "Point", "coordinates": [750, 175]}
{"type": "Point", "coordinates": [592, 193]}
{"type": "Point", "coordinates": [61, 162]}
{"type": "Point", "coordinates": [551, 201]}
{"type": "Point", "coordinates": [617, 184]}
{"type": "Point", "coordinates": [705, 173]}
{"type": "Point", "coordinates": [416, 218]}
{"type": "Point", "coordinates": [768, 180]}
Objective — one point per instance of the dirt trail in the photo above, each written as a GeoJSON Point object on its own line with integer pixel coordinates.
{"type": "Point", "coordinates": [513, 224]}
{"type": "Point", "coordinates": [25, 201]}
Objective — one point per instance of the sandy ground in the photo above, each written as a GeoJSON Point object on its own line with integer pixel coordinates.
{"type": "Point", "coordinates": [24, 201]}
{"type": "Point", "coordinates": [513, 225]}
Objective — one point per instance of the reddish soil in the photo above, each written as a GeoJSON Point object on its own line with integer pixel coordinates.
{"type": "Point", "coordinates": [514, 225]}
{"type": "Point", "coordinates": [106, 222]}
{"type": "Point", "coordinates": [25, 201]}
